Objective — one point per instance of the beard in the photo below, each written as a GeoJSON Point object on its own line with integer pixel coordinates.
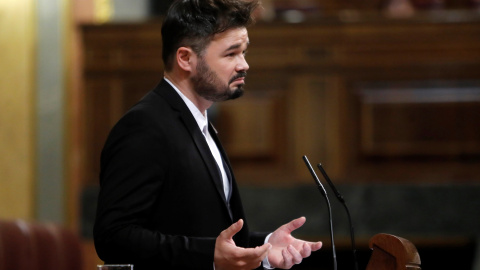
{"type": "Point", "coordinates": [207, 84]}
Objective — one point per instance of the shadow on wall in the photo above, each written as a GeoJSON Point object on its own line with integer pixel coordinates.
{"type": "Point", "coordinates": [443, 221]}
{"type": "Point", "coordinates": [416, 210]}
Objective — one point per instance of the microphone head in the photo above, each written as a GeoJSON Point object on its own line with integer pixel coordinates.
{"type": "Point", "coordinates": [330, 183]}
{"type": "Point", "coordinates": [314, 175]}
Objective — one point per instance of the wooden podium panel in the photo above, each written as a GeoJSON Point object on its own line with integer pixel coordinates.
{"type": "Point", "coordinates": [391, 252]}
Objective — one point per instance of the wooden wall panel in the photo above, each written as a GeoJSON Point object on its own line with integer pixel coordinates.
{"type": "Point", "coordinates": [308, 122]}
{"type": "Point", "coordinates": [421, 122]}
{"type": "Point", "coordinates": [307, 93]}
{"type": "Point", "coordinates": [250, 126]}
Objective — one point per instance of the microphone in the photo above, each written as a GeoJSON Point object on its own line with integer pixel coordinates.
{"type": "Point", "coordinates": [340, 198]}
{"type": "Point", "coordinates": [324, 193]}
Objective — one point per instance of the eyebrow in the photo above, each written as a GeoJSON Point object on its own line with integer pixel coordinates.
{"type": "Point", "coordinates": [236, 46]}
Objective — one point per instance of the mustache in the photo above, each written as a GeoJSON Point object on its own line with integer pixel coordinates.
{"type": "Point", "coordinates": [239, 75]}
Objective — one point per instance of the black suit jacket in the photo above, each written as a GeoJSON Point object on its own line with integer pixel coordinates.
{"type": "Point", "coordinates": [161, 203]}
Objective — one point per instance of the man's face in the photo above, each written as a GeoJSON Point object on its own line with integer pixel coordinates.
{"type": "Point", "coordinates": [220, 73]}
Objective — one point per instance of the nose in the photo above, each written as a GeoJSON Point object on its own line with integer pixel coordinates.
{"type": "Point", "coordinates": [242, 64]}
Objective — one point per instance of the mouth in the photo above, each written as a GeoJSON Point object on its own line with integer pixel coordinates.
{"type": "Point", "coordinates": [239, 78]}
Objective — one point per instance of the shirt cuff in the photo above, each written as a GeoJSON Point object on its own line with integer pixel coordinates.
{"type": "Point", "coordinates": [265, 262]}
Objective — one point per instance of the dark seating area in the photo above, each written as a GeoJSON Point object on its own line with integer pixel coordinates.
{"type": "Point", "coordinates": [36, 246]}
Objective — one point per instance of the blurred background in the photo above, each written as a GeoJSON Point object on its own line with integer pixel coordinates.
{"type": "Point", "coordinates": [385, 94]}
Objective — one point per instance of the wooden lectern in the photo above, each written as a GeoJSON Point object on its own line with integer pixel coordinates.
{"type": "Point", "coordinates": [391, 252]}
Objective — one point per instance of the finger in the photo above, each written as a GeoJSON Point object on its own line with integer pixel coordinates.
{"type": "Point", "coordinates": [296, 257]}
{"type": "Point", "coordinates": [233, 229]}
{"type": "Point", "coordinates": [306, 250]}
{"type": "Point", "coordinates": [315, 246]}
{"type": "Point", "coordinates": [287, 259]}
{"type": "Point", "coordinates": [294, 224]}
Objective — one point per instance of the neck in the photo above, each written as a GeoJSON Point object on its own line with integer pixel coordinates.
{"type": "Point", "coordinates": [184, 85]}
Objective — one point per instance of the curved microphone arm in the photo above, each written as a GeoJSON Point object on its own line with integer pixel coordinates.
{"type": "Point", "coordinates": [340, 198]}
{"type": "Point", "coordinates": [324, 193]}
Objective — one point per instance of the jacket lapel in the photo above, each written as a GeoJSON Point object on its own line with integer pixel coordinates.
{"type": "Point", "coordinates": [166, 90]}
{"type": "Point", "coordinates": [234, 203]}
{"type": "Point", "coordinates": [226, 163]}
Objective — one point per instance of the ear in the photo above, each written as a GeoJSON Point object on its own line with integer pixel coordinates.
{"type": "Point", "coordinates": [185, 58]}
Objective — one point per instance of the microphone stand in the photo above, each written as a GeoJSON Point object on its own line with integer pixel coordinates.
{"type": "Point", "coordinates": [340, 198]}
{"type": "Point", "coordinates": [324, 193]}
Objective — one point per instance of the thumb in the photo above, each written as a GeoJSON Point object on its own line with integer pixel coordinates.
{"type": "Point", "coordinates": [233, 229]}
{"type": "Point", "coordinates": [263, 250]}
{"type": "Point", "coordinates": [295, 224]}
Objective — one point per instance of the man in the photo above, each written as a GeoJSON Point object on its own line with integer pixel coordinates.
{"type": "Point", "coordinates": [168, 198]}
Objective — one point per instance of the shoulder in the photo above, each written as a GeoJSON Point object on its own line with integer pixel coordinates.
{"type": "Point", "coordinates": [158, 105]}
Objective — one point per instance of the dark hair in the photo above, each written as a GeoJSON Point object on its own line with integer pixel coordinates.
{"type": "Point", "coordinates": [193, 23]}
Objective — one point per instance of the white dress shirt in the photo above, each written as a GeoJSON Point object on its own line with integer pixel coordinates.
{"type": "Point", "coordinates": [202, 121]}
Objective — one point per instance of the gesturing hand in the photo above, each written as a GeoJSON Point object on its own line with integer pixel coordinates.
{"type": "Point", "coordinates": [286, 249]}
{"type": "Point", "coordinates": [229, 256]}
